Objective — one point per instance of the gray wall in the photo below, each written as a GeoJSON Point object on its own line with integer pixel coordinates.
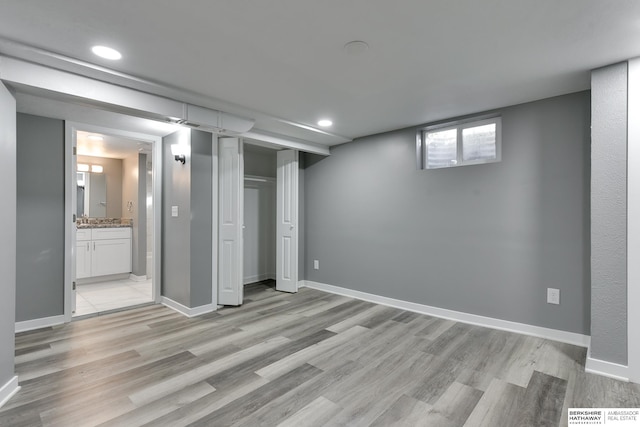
{"type": "Point", "coordinates": [201, 211]}
{"type": "Point", "coordinates": [609, 214]}
{"type": "Point", "coordinates": [260, 161]}
{"type": "Point", "coordinates": [186, 240]}
{"type": "Point", "coordinates": [7, 233]}
{"type": "Point", "coordinates": [176, 232]}
{"type": "Point", "coordinates": [40, 218]}
{"type": "Point", "coordinates": [485, 239]}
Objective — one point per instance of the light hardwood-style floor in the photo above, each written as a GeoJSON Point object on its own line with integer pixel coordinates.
{"type": "Point", "coordinates": [306, 359]}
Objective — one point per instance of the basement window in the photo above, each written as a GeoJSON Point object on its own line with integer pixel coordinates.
{"type": "Point", "coordinates": [461, 143]}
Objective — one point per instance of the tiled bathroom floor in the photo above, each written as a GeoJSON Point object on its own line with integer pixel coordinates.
{"type": "Point", "coordinates": [98, 297]}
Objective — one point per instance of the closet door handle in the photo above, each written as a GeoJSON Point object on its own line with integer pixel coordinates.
{"type": "Point", "coordinates": [94, 246]}
{"type": "Point", "coordinates": [87, 246]}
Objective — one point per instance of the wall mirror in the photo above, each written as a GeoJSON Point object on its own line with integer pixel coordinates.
{"type": "Point", "coordinates": [92, 195]}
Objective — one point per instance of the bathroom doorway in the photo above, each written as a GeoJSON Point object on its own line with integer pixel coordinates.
{"type": "Point", "coordinates": [114, 181]}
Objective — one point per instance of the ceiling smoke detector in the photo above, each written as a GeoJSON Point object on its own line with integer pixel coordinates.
{"type": "Point", "coordinates": [356, 47]}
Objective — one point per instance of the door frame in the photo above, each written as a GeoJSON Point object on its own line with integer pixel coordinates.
{"type": "Point", "coordinates": [633, 222]}
{"type": "Point", "coordinates": [214, 220]}
{"type": "Point", "coordinates": [70, 162]}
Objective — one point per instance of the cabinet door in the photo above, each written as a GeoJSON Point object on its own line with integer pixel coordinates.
{"type": "Point", "coordinates": [111, 256]}
{"type": "Point", "coordinates": [83, 259]}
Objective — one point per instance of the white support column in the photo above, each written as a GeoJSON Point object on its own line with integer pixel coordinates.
{"type": "Point", "coordinates": [633, 221]}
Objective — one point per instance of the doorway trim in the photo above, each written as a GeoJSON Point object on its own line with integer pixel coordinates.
{"type": "Point", "coordinates": [70, 143]}
{"type": "Point", "coordinates": [633, 221]}
{"type": "Point", "coordinates": [214, 220]}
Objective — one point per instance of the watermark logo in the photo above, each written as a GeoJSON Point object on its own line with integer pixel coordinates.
{"type": "Point", "coordinates": [617, 417]}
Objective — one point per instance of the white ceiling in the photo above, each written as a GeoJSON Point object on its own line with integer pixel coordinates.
{"type": "Point", "coordinates": [103, 145]}
{"type": "Point", "coordinates": [282, 62]}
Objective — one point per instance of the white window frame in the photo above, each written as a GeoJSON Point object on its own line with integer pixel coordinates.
{"type": "Point", "coordinates": [460, 126]}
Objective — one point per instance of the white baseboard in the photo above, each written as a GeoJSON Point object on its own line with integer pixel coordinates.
{"type": "Point", "coordinates": [258, 278]}
{"type": "Point", "coordinates": [188, 311]}
{"type": "Point", "coordinates": [106, 278]}
{"type": "Point", "coordinates": [458, 316]}
{"type": "Point", "coordinates": [8, 390]}
{"type": "Point", "coordinates": [606, 369]}
{"type": "Point", "coordinates": [45, 322]}
{"type": "Point", "coordinates": [137, 278]}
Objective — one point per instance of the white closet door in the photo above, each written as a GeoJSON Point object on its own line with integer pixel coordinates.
{"type": "Point", "coordinates": [231, 188]}
{"type": "Point", "coordinates": [287, 222]}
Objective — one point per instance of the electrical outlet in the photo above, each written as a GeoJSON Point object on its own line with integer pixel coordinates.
{"type": "Point", "coordinates": [316, 264]}
{"type": "Point", "coordinates": [553, 296]}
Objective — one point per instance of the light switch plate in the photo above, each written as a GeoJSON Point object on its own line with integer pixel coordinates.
{"type": "Point", "coordinates": [174, 211]}
{"type": "Point", "coordinates": [553, 296]}
{"type": "Point", "coordinates": [316, 264]}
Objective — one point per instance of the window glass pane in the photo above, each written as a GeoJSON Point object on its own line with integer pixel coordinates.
{"type": "Point", "coordinates": [441, 148]}
{"type": "Point", "coordinates": [479, 143]}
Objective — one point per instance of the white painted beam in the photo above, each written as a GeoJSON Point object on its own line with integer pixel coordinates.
{"type": "Point", "coordinates": [80, 89]}
{"type": "Point", "coordinates": [94, 92]}
{"type": "Point", "coordinates": [286, 142]}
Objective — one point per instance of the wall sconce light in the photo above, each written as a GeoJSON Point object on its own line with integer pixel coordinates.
{"type": "Point", "coordinates": [179, 152]}
{"type": "Point", "coordinates": [97, 169]}
{"type": "Point", "coordinates": [82, 167]}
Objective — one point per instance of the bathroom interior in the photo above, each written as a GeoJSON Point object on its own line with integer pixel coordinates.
{"type": "Point", "coordinates": [114, 236]}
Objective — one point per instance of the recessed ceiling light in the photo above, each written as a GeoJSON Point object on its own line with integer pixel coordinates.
{"type": "Point", "coordinates": [95, 137]}
{"type": "Point", "coordinates": [106, 52]}
{"type": "Point", "coordinates": [324, 123]}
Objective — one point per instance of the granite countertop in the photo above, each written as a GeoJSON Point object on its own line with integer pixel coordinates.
{"type": "Point", "coordinates": [82, 226]}
{"type": "Point", "coordinates": [85, 222]}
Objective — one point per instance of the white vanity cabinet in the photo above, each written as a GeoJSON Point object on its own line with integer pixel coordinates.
{"type": "Point", "coordinates": [111, 251]}
{"type": "Point", "coordinates": [107, 251]}
{"type": "Point", "coordinates": [83, 253]}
